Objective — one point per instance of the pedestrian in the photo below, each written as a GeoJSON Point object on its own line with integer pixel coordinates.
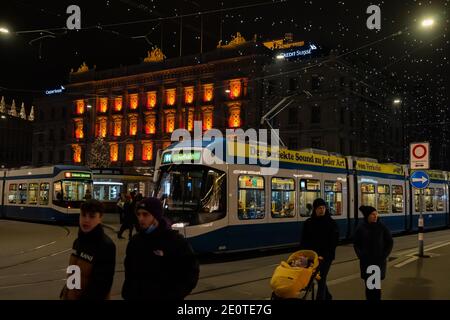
{"type": "Point", "coordinates": [129, 217]}
{"type": "Point", "coordinates": [159, 262]}
{"type": "Point", "coordinates": [120, 206]}
{"type": "Point", "coordinates": [321, 234]}
{"type": "Point", "coordinates": [94, 253]}
{"type": "Point", "coordinates": [373, 244]}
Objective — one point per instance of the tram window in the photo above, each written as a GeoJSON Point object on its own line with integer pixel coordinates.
{"type": "Point", "coordinates": [384, 198]}
{"type": "Point", "coordinates": [12, 195]}
{"type": "Point", "coordinates": [368, 194]}
{"type": "Point", "coordinates": [57, 191]}
{"type": "Point", "coordinates": [22, 193]}
{"type": "Point", "coordinates": [283, 198]}
{"type": "Point", "coordinates": [439, 199]}
{"type": "Point", "coordinates": [417, 200]}
{"type": "Point", "coordinates": [33, 193]}
{"type": "Point", "coordinates": [309, 191]}
{"type": "Point", "coordinates": [251, 197]}
{"type": "Point", "coordinates": [76, 190]}
{"type": "Point", "coordinates": [44, 193]}
{"type": "Point", "coordinates": [397, 199]}
{"type": "Point", "coordinates": [333, 197]}
{"type": "Point", "coordinates": [428, 199]}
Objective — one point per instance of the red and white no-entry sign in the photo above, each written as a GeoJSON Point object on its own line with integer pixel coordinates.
{"type": "Point", "coordinates": [420, 155]}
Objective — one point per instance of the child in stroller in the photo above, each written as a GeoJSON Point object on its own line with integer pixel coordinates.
{"type": "Point", "coordinates": [294, 278]}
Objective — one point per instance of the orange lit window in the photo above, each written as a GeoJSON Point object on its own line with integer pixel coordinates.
{"type": "Point", "coordinates": [117, 127]}
{"type": "Point", "coordinates": [189, 95]}
{"type": "Point", "coordinates": [76, 153]}
{"type": "Point", "coordinates": [79, 134]}
{"type": "Point", "coordinates": [208, 92]}
{"type": "Point", "coordinates": [166, 144]}
{"type": "Point", "coordinates": [129, 152]}
{"type": "Point", "coordinates": [133, 126]}
{"type": "Point", "coordinates": [103, 105]}
{"type": "Point", "coordinates": [134, 100]}
{"type": "Point", "coordinates": [80, 107]}
{"type": "Point", "coordinates": [151, 99]}
{"type": "Point", "coordinates": [100, 127]}
{"type": "Point", "coordinates": [118, 104]}
{"type": "Point", "coordinates": [114, 152]}
{"type": "Point", "coordinates": [150, 124]}
{"type": "Point", "coordinates": [170, 122]}
{"type": "Point", "coordinates": [234, 121]}
{"type": "Point", "coordinates": [170, 97]}
{"type": "Point", "coordinates": [235, 89]}
{"type": "Point", "coordinates": [207, 118]}
{"type": "Point", "coordinates": [190, 120]}
{"type": "Point", "coordinates": [147, 151]}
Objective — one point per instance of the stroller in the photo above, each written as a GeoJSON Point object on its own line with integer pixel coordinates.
{"type": "Point", "coordinates": [294, 278]}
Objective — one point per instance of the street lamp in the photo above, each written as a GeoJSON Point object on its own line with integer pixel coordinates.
{"type": "Point", "coordinates": [397, 101]}
{"type": "Point", "coordinates": [427, 23]}
{"type": "Point", "coordinates": [4, 30]}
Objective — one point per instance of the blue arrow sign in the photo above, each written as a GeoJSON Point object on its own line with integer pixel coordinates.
{"type": "Point", "coordinates": [419, 179]}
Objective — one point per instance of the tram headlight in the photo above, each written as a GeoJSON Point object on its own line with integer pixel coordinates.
{"type": "Point", "coordinates": [180, 225]}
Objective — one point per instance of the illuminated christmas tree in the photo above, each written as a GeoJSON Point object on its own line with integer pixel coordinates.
{"type": "Point", "coordinates": [99, 154]}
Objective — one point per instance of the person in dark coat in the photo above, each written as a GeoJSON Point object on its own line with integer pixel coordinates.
{"type": "Point", "coordinates": [372, 243]}
{"type": "Point", "coordinates": [129, 217]}
{"type": "Point", "coordinates": [95, 254]}
{"type": "Point", "coordinates": [159, 262]}
{"type": "Point", "coordinates": [321, 234]}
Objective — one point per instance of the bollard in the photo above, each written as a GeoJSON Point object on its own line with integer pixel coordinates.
{"type": "Point", "coordinates": [420, 224]}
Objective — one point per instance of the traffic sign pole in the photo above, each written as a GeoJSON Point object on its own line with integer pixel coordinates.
{"type": "Point", "coordinates": [421, 225]}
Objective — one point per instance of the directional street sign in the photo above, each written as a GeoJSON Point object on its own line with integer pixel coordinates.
{"type": "Point", "coordinates": [420, 179]}
{"type": "Point", "coordinates": [420, 155]}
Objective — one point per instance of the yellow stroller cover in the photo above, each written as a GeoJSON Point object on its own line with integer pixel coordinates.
{"type": "Point", "coordinates": [288, 281]}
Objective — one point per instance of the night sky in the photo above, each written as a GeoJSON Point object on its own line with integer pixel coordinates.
{"type": "Point", "coordinates": [416, 60]}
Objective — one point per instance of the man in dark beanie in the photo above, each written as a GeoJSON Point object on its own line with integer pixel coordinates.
{"type": "Point", "coordinates": [372, 243]}
{"type": "Point", "coordinates": [321, 234]}
{"type": "Point", "coordinates": [95, 254]}
{"type": "Point", "coordinates": [159, 262]}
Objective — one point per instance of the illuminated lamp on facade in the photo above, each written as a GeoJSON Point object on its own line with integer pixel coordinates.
{"type": "Point", "coordinates": [134, 101]}
{"type": "Point", "coordinates": [100, 127]}
{"type": "Point", "coordinates": [103, 105]}
{"type": "Point", "coordinates": [208, 92]}
{"type": "Point", "coordinates": [147, 151]}
{"type": "Point", "coordinates": [133, 126]}
{"type": "Point", "coordinates": [170, 97]}
{"type": "Point", "coordinates": [207, 113]}
{"type": "Point", "coordinates": [79, 134]}
{"type": "Point", "coordinates": [114, 152]}
{"type": "Point", "coordinates": [151, 99]}
{"type": "Point", "coordinates": [234, 120]}
{"type": "Point", "coordinates": [235, 88]}
{"type": "Point", "coordinates": [170, 121]}
{"type": "Point", "coordinates": [117, 127]}
{"type": "Point", "coordinates": [150, 124]}
{"type": "Point", "coordinates": [129, 153]}
{"type": "Point", "coordinates": [76, 153]}
{"type": "Point", "coordinates": [80, 107]}
{"type": "Point", "coordinates": [118, 104]}
{"type": "Point", "coordinates": [188, 95]}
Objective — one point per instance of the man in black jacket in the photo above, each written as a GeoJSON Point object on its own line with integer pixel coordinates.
{"type": "Point", "coordinates": [321, 234]}
{"type": "Point", "coordinates": [95, 254]}
{"type": "Point", "coordinates": [373, 244]}
{"type": "Point", "coordinates": [159, 262]}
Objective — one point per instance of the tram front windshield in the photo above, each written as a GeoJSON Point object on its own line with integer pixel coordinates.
{"type": "Point", "coordinates": [192, 194]}
{"type": "Point", "coordinates": [71, 193]}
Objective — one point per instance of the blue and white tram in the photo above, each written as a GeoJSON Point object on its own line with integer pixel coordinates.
{"type": "Point", "coordinates": [435, 204]}
{"type": "Point", "coordinates": [226, 206]}
{"type": "Point", "coordinates": [47, 194]}
{"type": "Point", "coordinates": [233, 205]}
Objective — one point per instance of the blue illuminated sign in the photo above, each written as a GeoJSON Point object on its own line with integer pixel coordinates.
{"type": "Point", "coordinates": [297, 53]}
{"type": "Point", "coordinates": [55, 91]}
